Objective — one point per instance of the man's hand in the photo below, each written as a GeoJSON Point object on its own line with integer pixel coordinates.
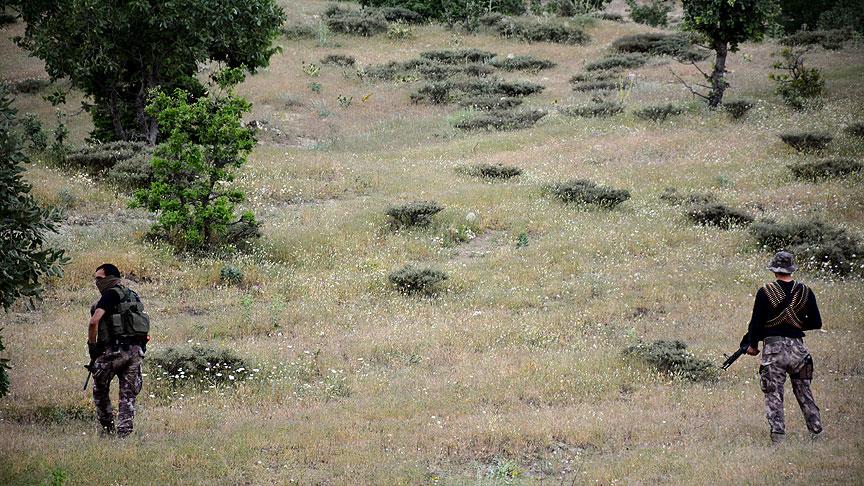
{"type": "Point", "coordinates": [94, 350]}
{"type": "Point", "coordinates": [752, 351]}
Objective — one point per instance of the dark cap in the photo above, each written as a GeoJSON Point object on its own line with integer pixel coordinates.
{"type": "Point", "coordinates": [783, 262]}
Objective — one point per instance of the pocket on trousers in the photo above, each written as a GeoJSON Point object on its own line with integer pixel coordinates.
{"type": "Point", "coordinates": [137, 380]}
{"type": "Point", "coordinates": [805, 372]}
{"type": "Point", "coordinates": [765, 382]}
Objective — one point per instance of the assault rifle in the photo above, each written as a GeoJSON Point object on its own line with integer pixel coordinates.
{"type": "Point", "coordinates": [742, 349]}
{"type": "Point", "coordinates": [89, 368]}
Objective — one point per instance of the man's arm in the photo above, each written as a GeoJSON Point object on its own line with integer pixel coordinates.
{"type": "Point", "coordinates": [93, 330]}
{"type": "Point", "coordinates": [813, 319]}
{"type": "Point", "coordinates": [757, 322]}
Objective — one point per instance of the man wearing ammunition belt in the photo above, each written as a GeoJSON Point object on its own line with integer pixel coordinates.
{"type": "Point", "coordinates": [116, 341]}
{"type": "Point", "coordinates": [783, 310]}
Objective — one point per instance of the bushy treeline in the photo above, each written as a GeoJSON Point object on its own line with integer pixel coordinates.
{"type": "Point", "coordinates": [450, 10]}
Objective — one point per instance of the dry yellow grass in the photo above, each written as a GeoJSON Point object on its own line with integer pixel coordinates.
{"type": "Point", "coordinates": [516, 367]}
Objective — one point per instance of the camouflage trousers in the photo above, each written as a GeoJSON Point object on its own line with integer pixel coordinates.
{"type": "Point", "coordinates": [125, 364]}
{"type": "Point", "coordinates": [781, 357]}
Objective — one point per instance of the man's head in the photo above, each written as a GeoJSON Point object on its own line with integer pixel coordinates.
{"type": "Point", "coordinates": [783, 263]}
{"type": "Point", "coordinates": [105, 272]}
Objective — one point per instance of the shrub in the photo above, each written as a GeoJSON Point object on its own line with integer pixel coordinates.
{"type": "Point", "coordinates": [100, 158]}
{"type": "Point", "coordinates": [198, 366]}
{"type": "Point", "coordinates": [400, 31]}
{"type": "Point", "coordinates": [501, 120]}
{"type": "Point", "coordinates": [29, 86]}
{"type": "Point", "coordinates": [658, 113]}
{"type": "Point", "coordinates": [582, 191]}
{"type": "Point", "coordinates": [855, 129]}
{"type": "Point", "coordinates": [671, 196]}
{"type": "Point", "coordinates": [826, 169]}
{"type": "Point", "coordinates": [400, 14]}
{"type": "Point", "coordinates": [816, 244]}
{"type": "Point", "coordinates": [413, 280]}
{"type": "Point", "coordinates": [720, 216]}
{"type": "Point", "coordinates": [619, 61]}
{"type": "Point", "coordinates": [653, 14]}
{"type": "Point", "coordinates": [604, 84]}
{"type": "Point", "coordinates": [133, 173]}
{"type": "Point", "coordinates": [795, 83]}
{"type": "Point", "coordinates": [806, 141]}
{"type": "Point", "coordinates": [6, 18]}
{"type": "Point", "coordinates": [541, 31]}
{"type": "Point", "coordinates": [416, 213]}
{"type": "Point", "coordinates": [737, 109]}
{"type": "Point", "coordinates": [521, 63]}
{"type": "Point", "coordinates": [447, 91]}
{"type": "Point", "coordinates": [354, 22]}
{"type": "Point", "coordinates": [491, 19]}
{"type": "Point", "coordinates": [230, 274]}
{"type": "Point", "coordinates": [292, 32]}
{"type": "Point", "coordinates": [490, 102]}
{"type": "Point", "coordinates": [457, 56]}
{"type": "Point", "coordinates": [658, 44]}
{"type": "Point", "coordinates": [829, 39]}
{"type": "Point", "coordinates": [596, 109]}
{"type": "Point", "coordinates": [672, 357]}
{"type": "Point", "coordinates": [610, 16]}
{"type": "Point", "coordinates": [492, 171]}
{"type": "Point", "coordinates": [339, 60]}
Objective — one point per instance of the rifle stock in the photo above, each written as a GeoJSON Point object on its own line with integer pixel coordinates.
{"type": "Point", "coordinates": [89, 369]}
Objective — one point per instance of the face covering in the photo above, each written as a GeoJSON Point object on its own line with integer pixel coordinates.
{"type": "Point", "coordinates": [106, 283]}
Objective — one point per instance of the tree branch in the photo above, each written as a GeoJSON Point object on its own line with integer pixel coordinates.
{"type": "Point", "coordinates": [686, 85]}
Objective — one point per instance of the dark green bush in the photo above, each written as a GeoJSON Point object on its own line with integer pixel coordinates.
{"type": "Point", "coordinates": [416, 213]}
{"type": "Point", "coordinates": [720, 216]}
{"type": "Point", "coordinates": [826, 169]}
{"type": "Point", "coordinates": [796, 84]}
{"type": "Point", "coordinates": [99, 159]}
{"type": "Point", "coordinates": [671, 196]}
{"type": "Point", "coordinates": [501, 120]}
{"type": "Point", "coordinates": [435, 71]}
{"type": "Point", "coordinates": [7, 19]}
{"type": "Point", "coordinates": [230, 274]}
{"type": "Point", "coordinates": [433, 93]}
{"type": "Point", "coordinates": [541, 31]}
{"type": "Point", "coordinates": [654, 14]}
{"type": "Point", "coordinates": [593, 110]}
{"type": "Point", "coordinates": [29, 85]}
{"type": "Point", "coordinates": [339, 60]}
{"type": "Point", "coordinates": [618, 61]}
{"type": "Point", "coordinates": [521, 63]}
{"type": "Point", "coordinates": [737, 109]}
{"type": "Point", "coordinates": [449, 91]}
{"type": "Point", "coordinates": [490, 102]}
{"type": "Point", "coordinates": [491, 171]}
{"type": "Point", "coordinates": [829, 39]}
{"type": "Point", "coordinates": [806, 141]}
{"type": "Point", "coordinates": [51, 414]}
{"type": "Point", "coordinates": [292, 32]}
{"type": "Point", "coordinates": [457, 56]}
{"type": "Point", "coordinates": [451, 11]}
{"type": "Point", "coordinates": [582, 191]}
{"type": "Point", "coordinates": [658, 44]}
{"type": "Point", "coordinates": [490, 19]}
{"type": "Point", "coordinates": [413, 280]}
{"type": "Point", "coordinates": [659, 113]}
{"type": "Point", "coordinates": [855, 129]}
{"type": "Point", "coordinates": [605, 81]}
{"type": "Point", "coordinates": [133, 173]}
{"type": "Point", "coordinates": [400, 14]}
{"type": "Point", "coordinates": [197, 366]}
{"type": "Point", "coordinates": [353, 22]}
{"type": "Point", "coordinates": [816, 244]}
{"type": "Point", "coordinates": [672, 357]}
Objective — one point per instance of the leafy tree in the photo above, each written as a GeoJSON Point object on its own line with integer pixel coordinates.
{"type": "Point", "coordinates": [205, 143]}
{"type": "Point", "coordinates": [726, 24]}
{"type": "Point", "coordinates": [116, 52]}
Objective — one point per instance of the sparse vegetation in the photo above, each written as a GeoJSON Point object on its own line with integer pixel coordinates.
{"type": "Point", "coordinates": [341, 60]}
{"type": "Point", "coordinates": [658, 113]}
{"type": "Point", "coordinates": [416, 213]}
{"type": "Point", "coordinates": [601, 108]}
{"type": "Point", "coordinates": [807, 141]}
{"type": "Point", "coordinates": [673, 359]}
{"type": "Point", "coordinates": [530, 30]}
{"type": "Point", "coordinates": [413, 280]}
{"type": "Point", "coordinates": [671, 196]}
{"type": "Point", "coordinates": [855, 129]}
{"type": "Point", "coordinates": [355, 22]}
{"type": "Point", "coordinates": [501, 120]}
{"type": "Point", "coordinates": [796, 84]}
{"type": "Point", "coordinates": [491, 171]}
{"type": "Point", "coordinates": [738, 109]}
{"type": "Point", "coordinates": [582, 191]}
{"type": "Point", "coordinates": [679, 45]}
{"type": "Point", "coordinates": [816, 244]}
{"type": "Point", "coordinates": [619, 61]}
{"type": "Point", "coordinates": [231, 274]}
{"type": "Point", "coordinates": [720, 216]}
{"type": "Point", "coordinates": [829, 39]}
{"type": "Point", "coordinates": [826, 169]}
{"type": "Point", "coordinates": [655, 13]}
{"type": "Point", "coordinates": [521, 63]}
{"type": "Point", "coordinates": [198, 367]}
{"type": "Point", "coordinates": [490, 102]}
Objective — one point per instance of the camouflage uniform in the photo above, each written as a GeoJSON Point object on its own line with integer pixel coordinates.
{"type": "Point", "coordinates": [782, 355]}
{"type": "Point", "coordinates": [126, 365]}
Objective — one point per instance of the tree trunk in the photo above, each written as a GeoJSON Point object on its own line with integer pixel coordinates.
{"type": "Point", "coordinates": [147, 123]}
{"type": "Point", "coordinates": [718, 75]}
{"type": "Point", "coordinates": [116, 116]}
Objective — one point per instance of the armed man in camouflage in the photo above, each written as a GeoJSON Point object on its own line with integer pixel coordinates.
{"type": "Point", "coordinates": [783, 310]}
{"type": "Point", "coordinates": [115, 350]}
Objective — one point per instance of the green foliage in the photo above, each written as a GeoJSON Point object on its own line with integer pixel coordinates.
{"type": "Point", "coordinates": [491, 171]}
{"type": "Point", "coordinates": [196, 367]}
{"type": "Point", "coordinates": [300, 31]}
{"type": "Point", "coordinates": [671, 196]}
{"type": "Point", "coordinates": [28, 85]}
{"type": "Point", "coordinates": [490, 102]}
{"type": "Point", "coordinates": [400, 14]}
{"type": "Point", "coordinates": [603, 81]}
{"type": "Point", "coordinates": [816, 244]}
{"type": "Point", "coordinates": [416, 213]}
{"type": "Point", "coordinates": [355, 22]}
{"type": "Point", "coordinates": [658, 113]}
{"type": "Point", "coordinates": [582, 191]}
{"type": "Point", "coordinates": [400, 31]}
{"type": "Point", "coordinates": [206, 144]}
{"type": "Point", "coordinates": [843, 14]}
{"type": "Point", "coordinates": [117, 52]}
{"type": "Point", "coordinates": [503, 470]}
{"type": "Point", "coordinates": [801, 15]}
{"type": "Point", "coordinates": [654, 13]}
{"type": "Point", "coordinates": [24, 257]}
{"type": "Point", "coordinates": [457, 56]}
{"type": "Point", "coordinates": [51, 414]}
{"type": "Point", "coordinates": [795, 83]}
{"type": "Point", "coordinates": [807, 141]}
{"type": "Point", "coordinates": [855, 129]}
{"type": "Point", "coordinates": [521, 63]}
{"type": "Point", "coordinates": [230, 274]}
{"type": "Point", "coordinates": [34, 133]}
{"type": "Point", "coordinates": [449, 91]}
{"type": "Point", "coordinates": [828, 39]}
{"type": "Point", "coordinates": [719, 215]}
{"type": "Point", "coordinates": [451, 11]}
{"type": "Point", "coordinates": [600, 108]}
{"type": "Point", "coordinates": [826, 169]}
{"type": "Point", "coordinates": [501, 120]}
{"type": "Point", "coordinates": [531, 30]}
{"type": "Point", "coordinates": [4, 365]}
{"type": "Point", "coordinates": [617, 61]}
{"type": "Point", "coordinates": [570, 8]}
{"type": "Point", "coordinates": [99, 158]}
{"type": "Point", "coordinates": [672, 358]}
{"type": "Point", "coordinates": [737, 109]}
{"type": "Point", "coordinates": [413, 280]}
{"type": "Point", "coordinates": [678, 45]}
{"type": "Point", "coordinates": [610, 16]}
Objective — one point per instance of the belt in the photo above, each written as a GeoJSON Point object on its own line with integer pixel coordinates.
{"type": "Point", "coordinates": [774, 339]}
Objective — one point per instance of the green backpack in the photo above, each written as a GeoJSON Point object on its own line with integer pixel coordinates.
{"type": "Point", "coordinates": [129, 322]}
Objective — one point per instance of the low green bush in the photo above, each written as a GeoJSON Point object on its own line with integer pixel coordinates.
{"type": "Point", "coordinates": [435, 71]}
{"type": "Point", "coordinates": [449, 91]}
{"type": "Point", "coordinates": [829, 39]}
{"type": "Point", "coordinates": [400, 14]}
{"type": "Point", "coordinates": [416, 213]}
{"type": "Point", "coordinates": [806, 141]}
{"type": "Point", "coordinates": [339, 60]}
{"type": "Point", "coordinates": [603, 81]}
{"type": "Point", "coordinates": [413, 280]}
{"type": "Point", "coordinates": [197, 366]}
{"type": "Point", "coordinates": [100, 158]}
{"type": "Point", "coordinates": [230, 274]}
{"type": "Point", "coordinates": [655, 14]}
{"type": "Point", "coordinates": [594, 110]}
{"type": "Point", "coordinates": [457, 56]}
{"type": "Point", "coordinates": [719, 215]}
{"type": "Point", "coordinates": [737, 109]}
{"type": "Point", "coordinates": [677, 45]}
{"type": "Point", "coordinates": [531, 30]}
{"type": "Point", "coordinates": [658, 113]}
{"type": "Point", "coordinates": [582, 191]}
{"type": "Point", "coordinates": [610, 16]}
{"type": "Point", "coordinates": [51, 414]}
{"type": "Point", "coordinates": [501, 120]}
{"type": "Point", "coordinates": [855, 129]}
{"type": "Point", "coordinates": [353, 22]}
{"type": "Point", "coordinates": [816, 244]}
{"type": "Point", "coordinates": [491, 171]}
{"type": "Point", "coordinates": [826, 169]}
{"type": "Point", "coordinates": [136, 172]}
{"type": "Point", "coordinates": [490, 102]}
{"type": "Point", "coordinates": [491, 19]}
{"type": "Point", "coordinates": [293, 32]}
{"type": "Point", "coordinates": [672, 358]}
{"type": "Point", "coordinates": [617, 61]}
{"type": "Point", "coordinates": [795, 83]}
{"type": "Point", "coordinates": [671, 196]}
{"type": "Point", "coordinates": [521, 63]}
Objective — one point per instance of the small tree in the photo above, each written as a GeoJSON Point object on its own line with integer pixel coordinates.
{"type": "Point", "coordinates": [726, 24]}
{"type": "Point", "coordinates": [205, 144]}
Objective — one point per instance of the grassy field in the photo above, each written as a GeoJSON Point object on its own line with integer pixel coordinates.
{"type": "Point", "coordinates": [514, 373]}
